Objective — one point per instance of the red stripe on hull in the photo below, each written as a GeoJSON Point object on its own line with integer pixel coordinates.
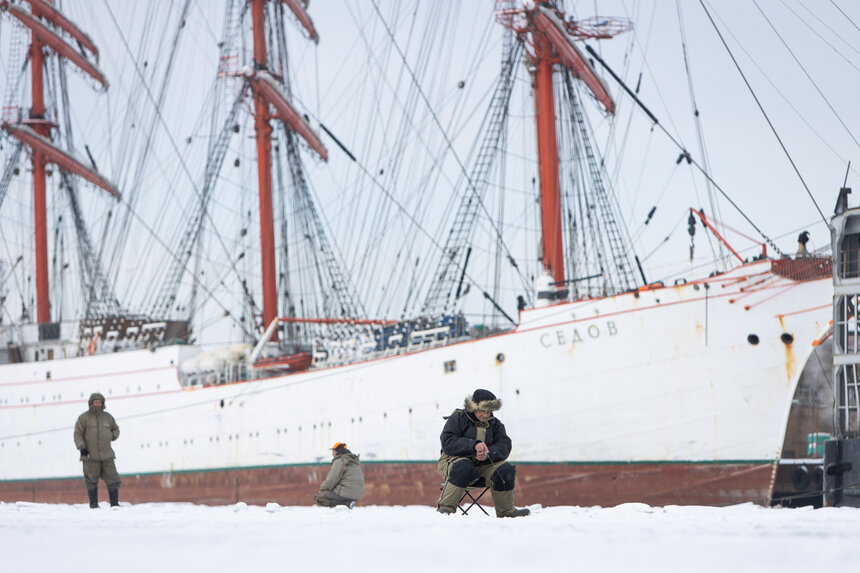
{"type": "Point", "coordinates": [418, 484]}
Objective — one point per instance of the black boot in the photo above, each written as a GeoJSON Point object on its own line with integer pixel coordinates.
{"type": "Point", "coordinates": [114, 497]}
{"type": "Point", "coordinates": [94, 497]}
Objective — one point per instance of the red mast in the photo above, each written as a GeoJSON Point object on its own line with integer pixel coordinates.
{"type": "Point", "coordinates": [37, 116]}
{"type": "Point", "coordinates": [264, 173]}
{"type": "Point", "coordinates": [547, 143]}
{"type": "Point", "coordinates": [267, 92]}
{"type": "Point", "coordinates": [551, 38]}
{"type": "Point", "coordinates": [35, 131]}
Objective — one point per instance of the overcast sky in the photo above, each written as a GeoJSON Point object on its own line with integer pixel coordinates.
{"type": "Point", "coordinates": [798, 57]}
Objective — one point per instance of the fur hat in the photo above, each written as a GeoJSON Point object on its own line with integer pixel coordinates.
{"type": "Point", "coordinates": [482, 400]}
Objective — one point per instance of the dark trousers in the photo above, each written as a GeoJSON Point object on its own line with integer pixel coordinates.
{"type": "Point", "coordinates": [104, 469]}
{"type": "Point", "coordinates": [331, 499]}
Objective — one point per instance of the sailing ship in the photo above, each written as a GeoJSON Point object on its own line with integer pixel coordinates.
{"type": "Point", "coordinates": [615, 387]}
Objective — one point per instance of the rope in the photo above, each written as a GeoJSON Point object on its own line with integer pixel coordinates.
{"type": "Point", "coordinates": [689, 157]}
{"type": "Point", "coordinates": [767, 118]}
{"type": "Point", "coordinates": [185, 170]}
{"type": "Point", "coordinates": [809, 77]}
{"type": "Point", "coordinates": [444, 134]}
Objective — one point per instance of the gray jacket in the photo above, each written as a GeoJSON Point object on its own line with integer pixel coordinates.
{"type": "Point", "coordinates": [345, 477]}
{"type": "Point", "coordinates": [95, 430]}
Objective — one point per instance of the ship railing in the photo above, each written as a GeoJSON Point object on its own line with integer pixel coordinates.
{"type": "Point", "coordinates": [234, 372]}
{"type": "Point", "coordinates": [334, 355]}
{"type": "Point", "coordinates": [324, 355]}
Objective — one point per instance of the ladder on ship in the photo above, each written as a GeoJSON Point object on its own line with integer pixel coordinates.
{"type": "Point", "coordinates": [621, 271]}
{"type": "Point", "coordinates": [347, 304]}
{"type": "Point", "coordinates": [169, 288]}
{"type": "Point", "coordinates": [452, 263]}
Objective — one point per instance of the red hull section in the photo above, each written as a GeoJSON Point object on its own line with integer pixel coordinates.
{"type": "Point", "coordinates": [418, 484]}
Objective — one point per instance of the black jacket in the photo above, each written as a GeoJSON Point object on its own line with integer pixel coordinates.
{"type": "Point", "coordinates": [459, 437]}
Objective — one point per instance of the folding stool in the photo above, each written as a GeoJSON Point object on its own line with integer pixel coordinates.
{"type": "Point", "coordinates": [478, 484]}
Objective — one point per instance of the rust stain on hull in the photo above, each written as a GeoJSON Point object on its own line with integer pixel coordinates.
{"type": "Point", "coordinates": [418, 484]}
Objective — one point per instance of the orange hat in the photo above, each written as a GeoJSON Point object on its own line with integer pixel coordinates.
{"type": "Point", "coordinates": [338, 445]}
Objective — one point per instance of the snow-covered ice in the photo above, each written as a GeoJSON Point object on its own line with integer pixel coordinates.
{"type": "Point", "coordinates": [148, 537]}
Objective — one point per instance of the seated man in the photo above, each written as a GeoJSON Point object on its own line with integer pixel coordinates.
{"type": "Point", "coordinates": [475, 445]}
{"type": "Point", "coordinates": [344, 484]}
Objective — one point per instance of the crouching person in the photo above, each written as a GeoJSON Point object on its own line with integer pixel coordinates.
{"type": "Point", "coordinates": [94, 432]}
{"type": "Point", "coordinates": [344, 484]}
{"type": "Point", "coordinates": [474, 448]}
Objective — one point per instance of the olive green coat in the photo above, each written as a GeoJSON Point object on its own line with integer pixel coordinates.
{"type": "Point", "coordinates": [345, 477]}
{"type": "Point", "coordinates": [95, 430]}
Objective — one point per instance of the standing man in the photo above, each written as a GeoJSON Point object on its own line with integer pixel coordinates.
{"type": "Point", "coordinates": [475, 447]}
{"type": "Point", "coordinates": [344, 484]}
{"type": "Point", "coordinates": [94, 431]}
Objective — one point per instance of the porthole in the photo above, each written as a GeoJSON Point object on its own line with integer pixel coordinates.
{"type": "Point", "coordinates": [753, 339]}
{"type": "Point", "coordinates": [786, 338]}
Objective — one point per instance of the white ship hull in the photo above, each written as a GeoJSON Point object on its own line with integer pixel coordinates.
{"type": "Point", "coordinates": [665, 377]}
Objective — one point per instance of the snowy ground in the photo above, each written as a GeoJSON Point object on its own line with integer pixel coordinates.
{"type": "Point", "coordinates": [633, 537]}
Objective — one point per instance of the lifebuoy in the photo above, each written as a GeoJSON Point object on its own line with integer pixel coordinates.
{"type": "Point", "coordinates": [91, 347]}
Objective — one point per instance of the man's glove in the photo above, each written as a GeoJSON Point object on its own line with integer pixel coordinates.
{"type": "Point", "coordinates": [85, 452]}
